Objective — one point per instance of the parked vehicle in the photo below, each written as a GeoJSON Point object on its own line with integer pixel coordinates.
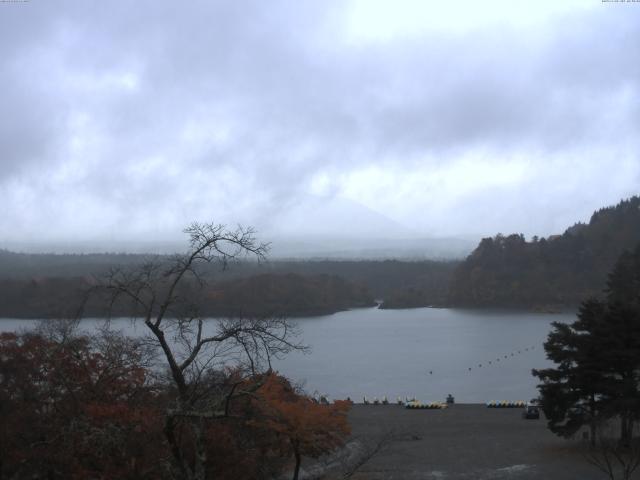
{"type": "Point", "coordinates": [531, 412]}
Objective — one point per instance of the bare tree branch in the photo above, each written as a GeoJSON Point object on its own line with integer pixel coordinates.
{"type": "Point", "coordinates": [162, 294]}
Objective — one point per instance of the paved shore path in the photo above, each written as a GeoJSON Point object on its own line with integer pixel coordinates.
{"type": "Point", "coordinates": [465, 442]}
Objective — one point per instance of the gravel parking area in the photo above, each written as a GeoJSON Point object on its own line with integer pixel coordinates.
{"type": "Point", "coordinates": [464, 442]}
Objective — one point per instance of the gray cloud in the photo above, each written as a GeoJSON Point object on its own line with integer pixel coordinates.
{"type": "Point", "coordinates": [122, 119]}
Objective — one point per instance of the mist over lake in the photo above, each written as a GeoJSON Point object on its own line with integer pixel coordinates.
{"type": "Point", "coordinates": [422, 352]}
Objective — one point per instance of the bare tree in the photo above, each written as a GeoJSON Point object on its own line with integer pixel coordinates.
{"type": "Point", "coordinates": [166, 296]}
{"type": "Point", "coordinates": [618, 460]}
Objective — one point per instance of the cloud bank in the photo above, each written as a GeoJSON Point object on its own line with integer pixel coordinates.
{"type": "Point", "coordinates": [127, 121]}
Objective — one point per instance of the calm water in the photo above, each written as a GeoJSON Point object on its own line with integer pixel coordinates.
{"type": "Point", "coordinates": [422, 352]}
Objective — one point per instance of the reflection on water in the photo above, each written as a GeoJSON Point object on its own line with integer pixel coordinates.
{"type": "Point", "coordinates": [475, 355]}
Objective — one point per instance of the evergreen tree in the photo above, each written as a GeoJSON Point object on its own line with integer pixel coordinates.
{"type": "Point", "coordinates": [597, 372]}
{"type": "Point", "coordinates": [571, 392]}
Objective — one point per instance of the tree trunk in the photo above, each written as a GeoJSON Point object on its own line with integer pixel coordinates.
{"type": "Point", "coordinates": [625, 433]}
{"type": "Point", "coordinates": [296, 470]}
{"type": "Point", "coordinates": [201, 452]}
{"type": "Point", "coordinates": [592, 423]}
{"type": "Point", "coordinates": [178, 460]}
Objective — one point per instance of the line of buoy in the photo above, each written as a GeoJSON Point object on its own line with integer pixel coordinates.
{"type": "Point", "coordinates": [512, 354]}
{"type": "Point", "coordinates": [506, 404]}
{"type": "Point", "coordinates": [490, 362]}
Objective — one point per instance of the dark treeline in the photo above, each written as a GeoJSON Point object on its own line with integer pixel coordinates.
{"type": "Point", "coordinates": [32, 265]}
{"type": "Point", "coordinates": [381, 277]}
{"type": "Point", "coordinates": [384, 279]}
{"type": "Point", "coordinates": [429, 286]}
{"type": "Point", "coordinates": [256, 296]}
{"type": "Point", "coordinates": [556, 272]}
{"type": "Point", "coordinates": [50, 285]}
{"type": "Point", "coordinates": [286, 294]}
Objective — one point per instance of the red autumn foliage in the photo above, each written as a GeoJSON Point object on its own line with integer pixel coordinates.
{"type": "Point", "coordinates": [85, 407]}
{"type": "Point", "coordinates": [76, 408]}
{"type": "Point", "coordinates": [304, 426]}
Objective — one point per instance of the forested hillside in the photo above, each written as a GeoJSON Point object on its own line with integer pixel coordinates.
{"type": "Point", "coordinates": [556, 272]}
{"type": "Point", "coordinates": [286, 294]}
{"type": "Point", "coordinates": [51, 284]}
{"type": "Point", "coordinates": [261, 295]}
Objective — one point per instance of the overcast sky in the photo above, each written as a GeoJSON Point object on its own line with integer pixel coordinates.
{"type": "Point", "coordinates": [128, 120]}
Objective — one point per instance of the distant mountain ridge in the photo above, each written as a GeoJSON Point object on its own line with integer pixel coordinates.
{"type": "Point", "coordinates": [547, 273]}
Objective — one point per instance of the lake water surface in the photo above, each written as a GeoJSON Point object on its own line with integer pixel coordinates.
{"type": "Point", "coordinates": [423, 352]}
